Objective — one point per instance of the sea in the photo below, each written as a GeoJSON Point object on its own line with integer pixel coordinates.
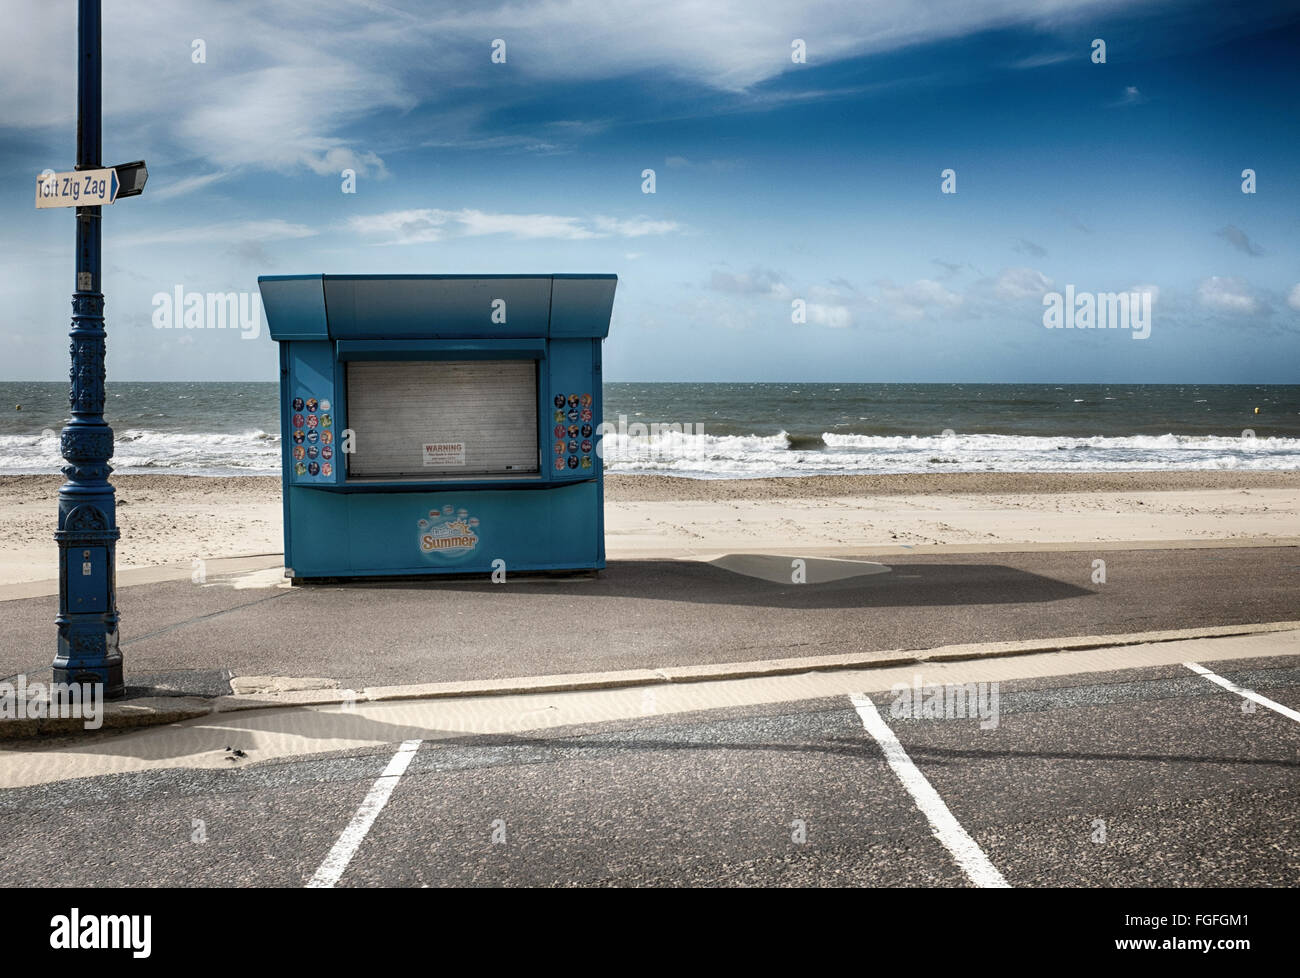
{"type": "Point", "coordinates": [742, 430]}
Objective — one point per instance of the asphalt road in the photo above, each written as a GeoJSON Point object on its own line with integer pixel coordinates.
{"type": "Point", "coordinates": [181, 637]}
{"type": "Point", "coordinates": [1139, 777]}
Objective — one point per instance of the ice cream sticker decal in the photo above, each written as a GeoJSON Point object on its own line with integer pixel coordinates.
{"type": "Point", "coordinates": [448, 533]}
{"type": "Point", "coordinates": [310, 430]}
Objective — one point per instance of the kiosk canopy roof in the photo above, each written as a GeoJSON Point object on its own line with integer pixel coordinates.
{"type": "Point", "coordinates": [335, 307]}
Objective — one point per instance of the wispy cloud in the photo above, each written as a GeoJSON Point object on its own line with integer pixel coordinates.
{"type": "Point", "coordinates": [949, 269]}
{"type": "Point", "coordinates": [233, 232]}
{"type": "Point", "coordinates": [1073, 220]}
{"type": "Point", "coordinates": [424, 225]}
{"type": "Point", "coordinates": [186, 185]}
{"type": "Point", "coordinates": [1021, 283]}
{"type": "Point", "coordinates": [1044, 59]}
{"type": "Point", "coordinates": [1131, 96]}
{"type": "Point", "coordinates": [286, 117]}
{"type": "Point", "coordinates": [757, 281]}
{"type": "Point", "coordinates": [832, 316]}
{"type": "Point", "coordinates": [915, 300]}
{"type": "Point", "coordinates": [1228, 295]}
{"type": "Point", "coordinates": [636, 227]}
{"type": "Point", "coordinates": [682, 163]}
{"type": "Point", "coordinates": [277, 90]}
{"type": "Point", "coordinates": [1236, 237]}
{"type": "Point", "coordinates": [289, 86]}
{"type": "Point", "coordinates": [734, 45]}
{"type": "Point", "coordinates": [251, 253]}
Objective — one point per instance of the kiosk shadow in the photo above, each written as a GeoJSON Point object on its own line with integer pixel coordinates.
{"type": "Point", "coordinates": [696, 582]}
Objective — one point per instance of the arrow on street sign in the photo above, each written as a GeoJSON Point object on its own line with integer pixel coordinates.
{"type": "Point", "coordinates": [132, 177]}
{"type": "Point", "coordinates": [90, 188]}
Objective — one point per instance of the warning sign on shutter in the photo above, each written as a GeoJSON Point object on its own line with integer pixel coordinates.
{"type": "Point", "coordinates": [444, 453]}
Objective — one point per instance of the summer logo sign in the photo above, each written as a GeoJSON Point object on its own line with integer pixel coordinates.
{"type": "Point", "coordinates": [448, 534]}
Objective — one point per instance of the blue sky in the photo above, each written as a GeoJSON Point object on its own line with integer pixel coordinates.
{"type": "Point", "coordinates": [775, 181]}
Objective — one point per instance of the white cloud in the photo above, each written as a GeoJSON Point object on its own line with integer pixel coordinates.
{"type": "Point", "coordinates": [402, 227]}
{"type": "Point", "coordinates": [475, 223]}
{"type": "Point", "coordinates": [284, 82]}
{"type": "Point", "coordinates": [1021, 283]}
{"type": "Point", "coordinates": [279, 84]}
{"type": "Point", "coordinates": [178, 188]}
{"type": "Point", "coordinates": [231, 232]}
{"type": "Point", "coordinates": [1154, 290]}
{"type": "Point", "coordinates": [836, 317]}
{"type": "Point", "coordinates": [726, 313]}
{"type": "Point", "coordinates": [1230, 295]}
{"type": "Point", "coordinates": [282, 117]}
{"type": "Point", "coordinates": [838, 303]}
{"type": "Point", "coordinates": [823, 305]}
{"type": "Point", "coordinates": [915, 300]}
{"type": "Point", "coordinates": [757, 281]}
{"type": "Point", "coordinates": [431, 224]}
{"type": "Point", "coordinates": [1048, 58]}
{"type": "Point", "coordinates": [1293, 300]}
{"type": "Point", "coordinates": [637, 227]}
{"type": "Point", "coordinates": [733, 44]}
{"type": "Point", "coordinates": [927, 292]}
{"type": "Point", "coordinates": [1131, 96]}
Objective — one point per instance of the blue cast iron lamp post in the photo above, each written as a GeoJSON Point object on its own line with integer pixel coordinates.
{"type": "Point", "coordinates": [87, 531]}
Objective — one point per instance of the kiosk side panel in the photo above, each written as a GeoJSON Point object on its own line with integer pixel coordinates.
{"type": "Point", "coordinates": [575, 410]}
{"type": "Point", "coordinates": [311, 438]}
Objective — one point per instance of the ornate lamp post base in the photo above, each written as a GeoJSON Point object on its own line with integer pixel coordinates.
{"type": "Point", "coordinates": [87, 534]}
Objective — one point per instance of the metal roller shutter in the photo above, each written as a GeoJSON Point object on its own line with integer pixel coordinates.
{"type": "Point", "coordinates": [480, 414]}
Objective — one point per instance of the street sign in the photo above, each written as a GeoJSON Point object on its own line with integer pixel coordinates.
{"type": "Point", "coordinates": [79, 188]}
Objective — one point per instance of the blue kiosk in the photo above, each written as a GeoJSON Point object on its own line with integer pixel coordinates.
{"type": "Point", "coordinates": [440, 423]}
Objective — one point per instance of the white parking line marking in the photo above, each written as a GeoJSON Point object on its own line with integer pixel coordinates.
{"type": "Point", "coordinates": [331, 870]}
{"type": "Point", "coordinates": [1249, 694]}
{"type": "Point", "coordinates": [970, 857]}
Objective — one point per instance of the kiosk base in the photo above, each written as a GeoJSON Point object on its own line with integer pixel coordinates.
{"type": "Point", "coordinates": [333, 534]}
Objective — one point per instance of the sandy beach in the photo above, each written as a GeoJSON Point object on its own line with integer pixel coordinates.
{"type": "Point", "coordinates": [171, 521]}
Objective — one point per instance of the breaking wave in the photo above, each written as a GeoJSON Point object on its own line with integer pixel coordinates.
{"type": "Point", "coordinates": [757, 456]}
{"type": "Point", "coordinates": [731, 456]}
